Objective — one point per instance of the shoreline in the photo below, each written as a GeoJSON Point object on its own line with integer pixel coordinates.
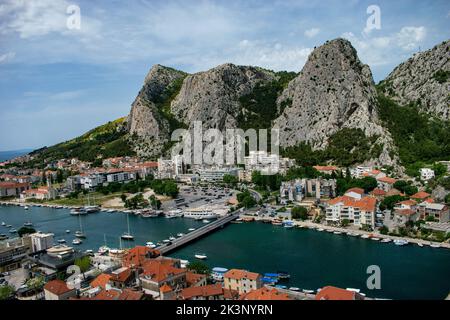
{"type": "Point", "coordinates": [359, 233]}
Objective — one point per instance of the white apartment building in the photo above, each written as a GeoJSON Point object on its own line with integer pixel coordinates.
{"type": "Point", "coordinates": [41, 241]}
{"type": "Point", "coordinates": [426, 174]}
{"type": "Point", "coordinates": [359, 171]}
{"type": "Point", "coordinates": [359, 212]}
{"type": "Point", "coordinates": [267, 163]}
{"type": "Point", "coordinates": [216, 174]}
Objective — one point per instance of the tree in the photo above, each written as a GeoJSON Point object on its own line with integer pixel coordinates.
{"type": "Point", "coordinates": [59, 176]}
{"type": "Point", "coordinates": [368, 184]}
{"type": "Point", "coordinates": [83, 263]}
{"type": "Point", "coordinates": [171, 189]}
{"type": "Point", "coordinates": [389, 202]}
{"type": "Point", "coordinates": [123, 197]}
{"type": "Point", "coordinates": [44, 177]}
{"type": "Point", "coordinates": [345, 223]}
{"type": "Point", "coordinates": [6, 292]}
{"type": "Point", "coordinates": [155, 202]}
{"type": "Point", "coordinates": [230, 179]}
{"type": "Point", "coordinates": [246, 199]}
{"type": "Point", "coordinates": [198, 267]}
{"type": "Point", "coordinates": [299, 213]}
{"type": "Point", "coordinates": [405, 187]}
{"type": "Point", "coordinates": [384, 230]}
{"type": "Point", "coordinates": [25, 230]}
{"type": "Point", "coordinates": [35, 284]}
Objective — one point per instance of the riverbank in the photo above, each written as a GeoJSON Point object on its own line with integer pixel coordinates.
{"type": "Point", "coordinates": [360, 233]}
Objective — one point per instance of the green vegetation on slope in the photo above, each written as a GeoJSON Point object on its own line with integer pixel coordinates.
{"type": "Point", "coordinates": [346, 147]}
{"type": "Point", "coordinates": [259, 107]}
{"type": "Point", "coordinates": [104, 141]}
{"type": "Point", "coordinates": [419, 137]}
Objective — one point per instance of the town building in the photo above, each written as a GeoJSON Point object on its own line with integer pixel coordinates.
{"type": "Point", "coordinates": [13, 252]}
{"type": "Point", "coordinates": [386, 183]}
{"type": "Point", "coordinates": [242, 281]}
{"type": "Point", "coordinates": [439, 211]}
{"type": "Point", "coordinates": [297, 190]}
{"type": "Point", "coordinates": [265, 294]}
{"type": "Point", "coordinates": [267, 163]}
{"type": "Point", "coordinates": [328, 170]}
{"type": "Point", "coordinates": [41, 241]}
{"type": "Point", "coordinates": [216, 174]}
{"type": "Point", "coordinates": [208, 292]}
{"type": "Point", "coordinates": [426, 174]}
{"type": "Point", "coordinates": [334, 293]}
{"type": "Point", "coordinates": [12, 189]}
{"type": "Point", "coordinates": [58, 290]}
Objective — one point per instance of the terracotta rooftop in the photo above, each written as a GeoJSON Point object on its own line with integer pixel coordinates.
{"type": "Point", "coordinates": [193, 278]}
{"type": "Point", "coordinates": [57, 287]}
{"type": "Point", "coordinates": [159, 270]}
{"type": "Point", "coordinates": [241, 274]}
{"type": "Point", "coordinates": [128, 294]}
{"type": "Point", "coordinates": [405, 212]}
{"type": "Point", "coordinates": [420, 195]}
{"type": "Point", "coordinates": [203, 291]}
{"type": "Point", "coordinates": [334, 293]}
{"type": "Point", "coordinates": [136, 256]}
{"type": "Point", "coordinates": [387, 180]}
{"type": "Point", "coordinates": [355, 190]}
{"type": "Point", "coordinates": [107, 295]}
{"type": "Point", "coordinates": [101, 281]}
{"type": "Point", "coordinates": [265, 294]}
{"type": "Point", "coordinates": [378, 192]}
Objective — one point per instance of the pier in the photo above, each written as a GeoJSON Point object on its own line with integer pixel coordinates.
{"type": "Point", "coordinates": [193, 235]}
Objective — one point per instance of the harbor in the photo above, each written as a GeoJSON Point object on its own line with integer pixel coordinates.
{"type": "Point", "coordinates": [311, 258]}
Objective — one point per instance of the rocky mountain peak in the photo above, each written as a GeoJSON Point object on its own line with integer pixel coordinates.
{"type": "Point", "coordinates": [423, 79]}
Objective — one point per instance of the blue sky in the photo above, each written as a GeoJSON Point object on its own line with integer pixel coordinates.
{"type": "Point", "coordinates": [56, 83]}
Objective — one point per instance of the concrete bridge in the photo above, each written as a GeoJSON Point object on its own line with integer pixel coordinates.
{"type": "Point", "coordinates": [193, 235]}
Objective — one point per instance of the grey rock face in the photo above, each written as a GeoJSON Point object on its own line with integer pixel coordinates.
{"type": "Point", "coordinates": [213, 96]}
{"type": "Point", "coordinates": [148, 129]}
{"type": "Point", "coordinates": [415, 81]}
{"type": "Point", "coordinates": [333, 91]}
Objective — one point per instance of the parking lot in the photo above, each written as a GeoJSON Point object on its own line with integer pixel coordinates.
{"type": "Point", "coordinates": [16, 278]}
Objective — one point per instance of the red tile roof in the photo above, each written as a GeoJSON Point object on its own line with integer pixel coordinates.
{"type": "Point", "coordinates": [121, 275]}
{"type": "Point", "coordinates": [160, 270]}
{"type": "Point", "coordinates": [387, 180]}
{"type": "Point", "coordinates": [165, 288]}
{"type": "Point", "coordinates": [212, 290]}
{"type": "Point", "coordinates": [128, 294]}
{"type": "Point", "coordinates": [241, 274]}
{"type": "Point", "coordinates": [355, 190]}
{"type": "Point", "coordinates": [334, 293]}
{"type": "Point", "coordinates": [378, 192]}
{"type": "Point", "coordinates": [265, 294]}
{"type": "Point", "coordinates": [325, 168]}
{"type": "Point", "coordinates": [57, 287]}
{"type": "Point", "coordinates": [11, 185]}
{"type": "Point", "coordinates": [107, 295]}
{"type": "Point", "coordinates": [405, 212]}
{"type": "Point", "coordinates": [408, 202]}
{"type": "Point", "coordinates": [365, 204]}
{"type": "Point", "coordinates": [194, 278]}
{"type": "Point", "coordinates": [420, 195]}
{"type": "Point", "coordinates": [101, 281]}
{"type": "Point", "coordinates": [136, 256]}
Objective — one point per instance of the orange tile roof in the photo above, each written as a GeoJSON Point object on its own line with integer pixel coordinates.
{"type": "Point", "coordinates": [101, 280]}
{"type": "Point", "coordinates": [136, 256]}
{"type": "Point", "coordinates": [378, 192]}
{"type": "Point", "coordinates": [107, 295]}
{"type": "Point", "coordinates": [57, 287]}
{"type": "Point", "coordinates": [420, 195]}
{"type": "Point", "coordinates": [11, 185]}
{"type": "Point", "coordinates": [193, 278]}
{"type": "Point", "coordinates": [165, 288]}
{"type": "Point", "coordinates": [387, 180]}
{"type": "Point", "coordinates": [160, 270]}
{"type": "Point", "coordinates": [325, 168]}
{"type": "Point", "coordinates": [365, 204]}
{"type": "Point", "coordinates": [241, 274]}
{"type": "Point", "coordinates": [408, 202]}
{"type": "Point", "coordinates": [202, 291]}
{"type": "Point", "coordinates": [128, 294]}
{"type": "Point", "coordinates": [355, 190]}
{"type": "Point", "coordinates": [334, 293]}
{"type": "Point", "coordinates": [405, 212]}
{"type": "Point", "coordinates": [265, 294]}
{"type": "Point", "coordinates": [121, 276]}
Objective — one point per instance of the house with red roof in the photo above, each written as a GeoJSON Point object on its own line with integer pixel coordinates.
{"type": "Point", "coordinates": [58, 290]}
{"type": "Point", "coordinates": [122, 278]}
{"type": "Point", "coordinates": [334, 293]}
{"type": "Point", "coordinates": [359, 212]}
{"type": "Point", "coordinates": [12, 189]}
{"type": "Point", "coordinates": [208, 292]}
{"type": "Point", "coordinates": [135, 257]}
{"type": "Point", "coordinates": [242, 281]}
{"type": "Point", "coordinates": [102, 280]}
{"type": "Point", "coordinates": [356, 193]}
{"type": "Point", "coordinates": [386, 183]}
{"type": "Point", "coordinates": [421, 196]}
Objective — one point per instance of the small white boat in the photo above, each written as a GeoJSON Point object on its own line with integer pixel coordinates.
{"type": "Point", "coordinates": [166, 240]}
{"type": "Point", "coordinates": [28, 224]}
{"type": "Point", "coordinates": [61, 241]}
{"type": "Point", "coordinates": [320, 229]}
{"type": "Point", "coordinates": [8, 226]}
{"type": "Point", "coordinates": [26, 207]}
{"type": "Point", "coordinates": [191, 229]}
{"type": "Point", "coordinates": [80, 234]}
{"type": "Point", "coordinates": [103, 250]}
{"type": "Point", "coordinates": [375, 239]}
{"type": "Point", "coordinates": [171, 238]}
{"type": "Point", "coordinates": [420, 244]}
{"type": "Point", "coordinates": [201, 256]}
{"type": "Point", "coordinates": [67, 231]}
{"type": "Point", "coordinates": [294, 289]}
{"type": "Point", "coordinates": [12, 231]}
{"type": "Point", "coordinates": [308, 291]}
{"type": "Point", "coordinates": [180, 234]}
{"type": "Point", "coordinates": [400, 242]}
{"type": "Point", "coordinates": [365, 236]}
{"type": "Point", "coordinates": [89, 251]}
{"type": "Point", "coordinates": [337, 232]}
{"type": "Point", "coordinates": [77, 241]}
{"type": "Point", "coordinates": [435, 245]}
{"type": "Point", "coordinates": [127, 236]}
{"type": "Point", "coordinates": [386, 240]}
{"type": "Point", "coordinates": [205, 221]}
{"type": "Point", "coordinates": [3, 223]}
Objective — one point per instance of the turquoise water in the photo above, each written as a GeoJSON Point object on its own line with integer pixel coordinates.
{"type": "Point", "coordinates": [313, 259]}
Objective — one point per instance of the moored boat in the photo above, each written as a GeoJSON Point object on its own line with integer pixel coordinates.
{"type": "Point", "coordinates": [201, 256]}
{"type": "Point", "coordinates": [400, 242]}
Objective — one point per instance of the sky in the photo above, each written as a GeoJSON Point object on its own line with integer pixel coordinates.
{"type": "Point", "coordinates": [68, 66]}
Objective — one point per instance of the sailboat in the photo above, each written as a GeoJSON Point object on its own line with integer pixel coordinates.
{"type": "Point", "coordinates": [127, 235]}
{"type": "Point", "coordinates": [103, 249]}
{"type": "Point", "coordinates": [79, 233]}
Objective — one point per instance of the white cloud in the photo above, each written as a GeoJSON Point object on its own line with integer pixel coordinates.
{"type": "Point", "coordinates": [311, 33]}
{"type": "Point", "coordinates": [4, 58]}
{"type": "Point", "coordinates": [377, 51]}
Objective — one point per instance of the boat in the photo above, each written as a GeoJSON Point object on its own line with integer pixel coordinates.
{"type": "Point", "coordinates": [279, 286]}
{"type": "Point", "coordinates": [386, 240]}
{"type": "Point", "coordinates": [201, 256]}
{"type": "Point", "coordinates": [206, 221]}
{"type": "Point", "coordinates": [61, 241]}
{"type": "Point", "coordinates": [283, 275]}
{"type": "Point", "coordinates": [171, 238]}
{"type": "Point", "coordinates": [60, 251]}
{"type": "Point", "coordinates": [191, 229]}
{"type": "Point", "coordinates": [77, 241]}
{"type": "Point", "coordinates": [8, 226]}
{"type": "Point", "coordinates": [78, 212]}
{"type": "Point", "coordinates": [149, 215]}
{"type": "Point", "coordinates": [28, 224]}
{"type": "Point", "coordinates": [12, 231]}
{"type": "Point", "coordinates": [127, 235]}
{"type": "Point", "coordinates": [103, 250]}
{"type": "Point", "coordinates": [308, 291]}
{"type": "Point", "coordinates": [166, 241]}
{"type": "Point", "coordinates": [277, 222]}
{"type": "Point", "coordinates": [67, 231]}
{"type": "Point", "coordinates": [80, 234]}
{"type": "Point", "coordinates": [26, 207]}
{"type": "Point", "coordinates": [184, 263]}
{"type": "Point", "coordinates": [420, 244]}
{"type": "Point", "coordinates": [375, 239]}
{"type": "Point", "coordinates": [320, 229]}
{"type": "Point", "coordinates": [337, 232]}
{"type": "Point", "coordinates": [435, 245]}
{"type": "Point", "coordinates": [294, 289]}
{"type": "Point", "coordinates": [111, 211]}
{"type": "Point", "coordinates": [365, 236]}
{"type": "Point", "coordinates": [150, 245]}
{"type": "Point", "coordinates": [400, 242]}
{"type": "Point", "coordinates": [3, 223]}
